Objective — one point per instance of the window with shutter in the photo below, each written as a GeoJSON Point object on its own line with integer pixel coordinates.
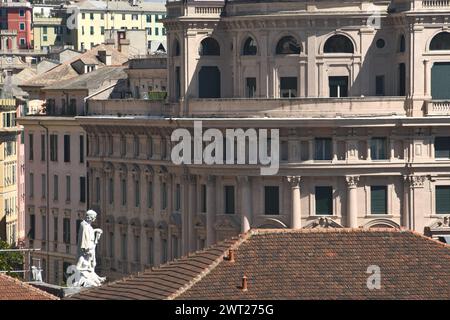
{"type": "Point", "coordinates": [443, 199]}
{"type": "Point", "coordinates": [378, 199]}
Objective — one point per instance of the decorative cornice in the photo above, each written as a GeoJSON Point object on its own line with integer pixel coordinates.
{"type": "Point", "coordinates": [323, 223]}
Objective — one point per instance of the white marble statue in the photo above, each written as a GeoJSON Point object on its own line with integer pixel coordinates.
{"type": "Point", "coordinates": [83, 273]}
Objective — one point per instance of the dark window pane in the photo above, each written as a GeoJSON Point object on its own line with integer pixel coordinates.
{"type": "Point", "coordinates": [324, 200]}
{"type": "Point", "coordinates": [323, 150]}
{"type": "Point", "coordinates": [338, 86]}
{"type": "Point", "coordinates": [378, 199]}
{"type": "Point", "coordinates": [271, 200]}
{"type": "Point", "coordinates": [442, 147]}
{"type": "Point", "coordinates": [288, 45]}
{"type": "Point", "coordinates": [443, 199]}
{"type": "Point", "coordinates": [229, 200]}
{"type": "Point", "coordinates": [338, 44]}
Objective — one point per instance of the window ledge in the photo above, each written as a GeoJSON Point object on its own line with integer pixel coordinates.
{"type": "Point", "coordinates": [315, 216]}
{"type": "Point", "coordinates": [379, 215]}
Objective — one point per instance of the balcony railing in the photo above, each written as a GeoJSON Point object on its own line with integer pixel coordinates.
{"type": "Point", "coordinates": [435, 3]}
{"type": "Point", "coordinates": [438, 108]}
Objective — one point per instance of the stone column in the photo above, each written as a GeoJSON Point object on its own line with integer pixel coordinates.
{"type": "Point", "coordinates": [246, 202]}
{"type": "Point", "coordinates": [352, 201]}
{"type": "Point", "coordinates": [210, 210]}
{"type": "Point", "coordinates": [296, 217]}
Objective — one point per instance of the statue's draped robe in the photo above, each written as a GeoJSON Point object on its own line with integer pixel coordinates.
{"type": "Point", "coordinates": [86, 242]}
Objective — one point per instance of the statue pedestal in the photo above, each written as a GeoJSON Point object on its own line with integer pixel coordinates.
{"type": "Point", "coordinates": [58, 291]}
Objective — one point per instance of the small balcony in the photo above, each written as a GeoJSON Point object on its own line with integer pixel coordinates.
{"type": "Point", "coordinates": [438, 108]}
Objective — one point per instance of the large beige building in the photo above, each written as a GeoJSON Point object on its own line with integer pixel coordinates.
{"type": "Point", "coordinates": [359, 91]}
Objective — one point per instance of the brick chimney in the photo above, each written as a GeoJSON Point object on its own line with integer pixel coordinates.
{"type": "Point", "coordinates": [244, 286]}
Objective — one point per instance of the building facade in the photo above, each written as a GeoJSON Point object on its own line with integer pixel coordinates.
{"type": "Point", "coordinates": [8, 173]}
{"type": "Point", "coordinates": [89, 19]}
{"type": "Point", "coordinates": [358, 91]}
{"type": "Point", "coordinates": [15, 25]}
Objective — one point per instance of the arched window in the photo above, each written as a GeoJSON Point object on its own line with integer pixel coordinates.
{"type": "Point", "coordinates": [250, 47]}
{"type": "Point", "coordinates": [176, 48]}
{"type": "Point", "coordinates": [288, 45]}
{"type": "Point", "coordinates": [338, 44]}
{"type": "Point", "coordinates": [209, 47]}
{"type": "Point", "coordinates": [441, 41]}
{"type": "Point", "coordinates": [402, 44]}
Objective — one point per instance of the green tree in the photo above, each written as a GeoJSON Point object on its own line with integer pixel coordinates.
{"type": "Point", "coordinates": [10, 260]}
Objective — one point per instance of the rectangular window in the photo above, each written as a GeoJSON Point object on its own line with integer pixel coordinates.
{"type": "Point", "coordinates": [44, 228]}
{"type": "Point", "coordinates": [111, 191]}
{"type": "Point", "coordinates": [123, 191]}
{"type": "Point", "coordinates": [323, 149]}
{"type": "Point", "coordinates": [66, 230]}
{"type": "Point", "coordinates": [55, 187]}
{"type": "Point", "coordinates": [67, 188]}
{"type": "Point", "coordinates": [21, 26]}
{"type": "Point", "coordinates": [137, 249]}
{"type": "Point", "coordinates": [43, 185]}
{"type": "Point", "coordinates": [149, 194]}
{"type": "Point", "coordinates": [42, 147]}
{"type": "Point", "coordinates": [379, 85]}
{"type": "Point", "coordinates": [137, 194]}
{"type": "Point", "coordinates": [442, 147]}
{"type": "Point", "coordinates": [102, 16]}
{"type": "Point", "coordinates": [31, 232]}
{"type": "Point", "coordinates": [271, 200]}
{"type": "Point", "coordinates": [134, 17]}
{"type": "Point", "coordinates": [164, 250]}
{"type": "Point", "coordinates": [203, 195]}
{"type": "Point", "coordinates": [443, 199]}
{"type": "Point", "coordinates": [82, 30]}
{"type": "Point", "coordinates": [250, 87]}
{"type": "Point", "coordinates": [288, 87]}
{"type": "Point", "coordinates": [102, 30]}
{"type": "Point", "coordinates": [81, 149]}
{"type": "Point", "coordinates": [44, 30]}
{"type": "Point", "coordinates": [97, 190]}
{"type": "Point", "coordinates": [177, 197]}
{"type": "Point", "coordinates": [123, 244]}
{"type": "Point", "coordinates": [22, 13]}
{"type": "Point", "coordinates": [123, 16]}
{"type": "Point", "coordinates": [156, 31]}
{"type": "Point", "coordinates": [31, 147]}
{"type": "Point", "coordinates": [163, 196]}
{"type": "Point", "coordinates": [82, 189]}
{"type": "Point", "coordinates": [324, 200]}
{"type": "Point", "coordinates": [55, 229]}
{"type": "Point", "coordinates": [31, 185]}
{"type": "Point", "coordinates": [83, 15]}
{"type": "Point", "coordinates": [111, 245]}
{"type": "Point", "coordinates": [91, 16]}
{"type": "Point", "coordinates": [92, 30]}
{"type": "Point", "coordinates": [66, 148]}
{"type": "Point", "coordinates": [150, 251]}
{"type": "Point", "coordinates": [378, 148]}
{"type": "Point", "coordinates": [149, 18]}
{"type": "Point", "coordinates": [378, 199]}
{"type": "Point", "coordinates": [53, 147]}
{"type": "Point", "coordinates": [78, 223]}
{"type": "Point", "coordinates": [338, 87]}
{"type": "Point", "coordinates": [229, 200]}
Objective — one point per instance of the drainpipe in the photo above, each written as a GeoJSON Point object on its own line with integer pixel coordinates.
{"type": "Point", "coordinates": [47, 191]}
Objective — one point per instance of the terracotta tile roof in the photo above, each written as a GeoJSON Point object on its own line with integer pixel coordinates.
{"type": "Point", "coordinates": [65, 70]}
{"type": "Point", "coordinates": [14, 289]}
{"type": "Point", "coordinates": [305, 264]}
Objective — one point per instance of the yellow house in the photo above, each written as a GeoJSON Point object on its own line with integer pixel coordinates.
{"type": "Point", "coordinates": [90, 19]}
{"type": "Point", "coordinates": [50, 31]}
{"type": "Point", "coordinates": [8, 171]}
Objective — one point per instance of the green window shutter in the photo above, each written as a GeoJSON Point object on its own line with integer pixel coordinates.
{"type": "Point", "coordinates": [443, 199]}
{"type": "Point", "coordinates": [442, 147]}
{"type": "Point", "coordinates": [324, 200]}
{"type": "Point", "coordinates": [271, 200]}
{"type": "Point", "coordinates": [378, 199]}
